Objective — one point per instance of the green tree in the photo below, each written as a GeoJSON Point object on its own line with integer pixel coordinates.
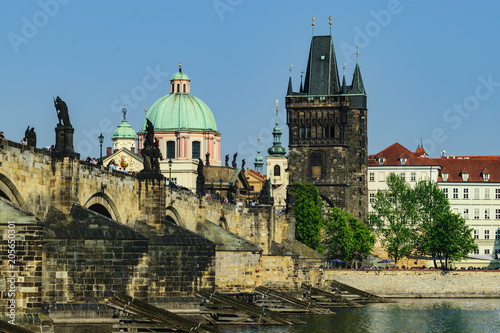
{"type": "Point", "coordinates": [308, 215]}
{"type": "Point", "coordinates": [395, 216]}
{"type": "Point", "coordinates": [346, 237]}
{"type": "Point", "coordinates": [448, 238]}
{"type": "Point", "coordinates": [431, 204]}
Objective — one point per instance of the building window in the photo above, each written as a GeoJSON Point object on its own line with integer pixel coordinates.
{"type": "Point", "coordinates": [171, 149]}
{"type": "Point", "coordinates": [184, 87]}
{"type": "Point", "coordinates": [381, 161]}
{"type": "Point", "coordinates": [476, 252]}
{"type": "Point", "coordinates": [445, 191]}
{"type": "Point", "coordinates": [486, 177]}
{"type": "Point", "coordinates": [403, 175]}
{"type": "Point", "coordinates": [173, 180]}
{"type": "Point", "coordinates": [372, 197]}
{"type": "Point", "coordinates": [486, 213]}
{"type": "Point", "coordinates": [308, 132]}
{"type": "Point", "coordinates": [486, 234]}
{"type": "Point", "coordinates": [487, 193]}
{"type": "Point", "coordinates": [178, 87]}
{"type": "Point", "coordinates": [302, 133]}
{"type": "Point", "coordinates": [445, 176]}
{"type": "Point", "coordinates": [277, 171]}
{"type": "Point", "coordinates": [403, 160]}
{"type": "Point", "coordinates": [372, 176]}
{"type": "Point", "coordinates": [195, 149]}
{"type": "Point", "coordinates": [476, 213]}
{"type": "Point", "coordinates": [476, 234]}
{"type": "Point", "coordinates": [455, 193]}
{"type": "Point", "coordinates": [497, 214]}
{"type": "Point", "coordinates": [413, 176]}
{"type": "Point", "coordinates": [466, 193]}
{"type": "Point", "coordinates": [172, 89]}
{"type": "Point", "coordinates": [465, 177]}
{"type": "Point", "coordinates": [486, 251]}
{"type": "Point", "coordinates": [466, 213]}
{"type": "Point", "coordinates": [497, 193]}
{"type": "Point", "coordinates": [477, 193]}
{"type": "Point", "coordinates": [497, 234]}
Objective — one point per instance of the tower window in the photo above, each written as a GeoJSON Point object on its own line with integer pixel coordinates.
{"type": "Point", "coordinates": [172, 88]}
{"type": "Point", "coordinates": [308, 132]}
{"type": "Point", "coordinates": [277, 171]}
{"type": "Point", "coordinates": [195, 149]}
{"type": "Point", "coordinates": [184, 88]}
{"type": "Point", "coordinates": [302, 133]}
{"type": "Point", "coordinates": [171, 149]}
{"type": "Point", "coordinates": [178, 87]}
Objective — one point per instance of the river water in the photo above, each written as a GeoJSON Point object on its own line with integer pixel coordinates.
{"type": "Point", "coordinates": [407, 315]}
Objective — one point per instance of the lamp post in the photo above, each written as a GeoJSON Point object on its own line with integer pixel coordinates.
{"type": "Point", "coordinates": [169, 170]}
{"type": "Point", "coordinates": [220, 189]}
{"type": "Point", "coordinates": [101, 140]}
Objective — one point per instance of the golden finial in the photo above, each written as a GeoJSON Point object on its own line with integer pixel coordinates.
{"type": "Point", "coordinates": [276, 105]}
{"type": "Point", "coordinates": [345, 63]}
{"type": "Point", "coordinates": [290, 69]}
{"type": "Point", "coordinates": [330, 18]}
{"type": "Point", "coordinates": [145, 105]}
{"type": "Point", "coordinates": [357, 53]}
{"type": "Point", "coordinates": [180, 65]}
{"type": "Point", "coordinates": [313, 18]}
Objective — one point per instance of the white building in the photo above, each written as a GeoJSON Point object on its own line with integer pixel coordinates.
{"type": "Point", "coordinates": [471, 183]}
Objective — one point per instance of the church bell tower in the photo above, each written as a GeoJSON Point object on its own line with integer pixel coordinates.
{"type": "Point", "coordinates": [327, 124]}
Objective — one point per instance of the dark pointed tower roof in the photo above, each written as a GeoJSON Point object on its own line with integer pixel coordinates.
{"type": "Point", "coordinates": [277, 149]}
{"type": "Point", "coordinates": [322, 77]}
{"type": "Point", "coordinates": [290, 90]}
{"type": "Point", "coordinates": [357, 86]}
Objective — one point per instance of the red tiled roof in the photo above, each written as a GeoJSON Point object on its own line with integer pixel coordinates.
{"type": "Point", "coordinates": [475, 166]}
{"type": "Point", "coordinates": [256, 173]}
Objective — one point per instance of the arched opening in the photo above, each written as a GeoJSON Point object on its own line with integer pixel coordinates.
{"type": "Point", "coordinates": [98, 208]}
{"type": "Point", "coordinates": [3, 195]}
{"type": "Point", "coordinates": [101, 203]}
{"type": "Point", "coordinates": [223, 223]}
{"type": "Point", "coordinates": [173, 216]}
{"type": "Point", "coordinates": [170, 219]}
{"type": "Point", "coordinates": [277, 171]}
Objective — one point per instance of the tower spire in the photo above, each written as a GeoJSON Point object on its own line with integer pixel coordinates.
{"type": "Point", "coordinates": [344, 86]}
{"type": "Point", "coordinates": [277, 149]}
{"type": "Point", "coordinates": [301, 87]}
{"type": "Point", "coordinates": [290, 89]}
{"type": "Point", "coordinates": [357, 86]}
{"type": "Point", "coordinates": [259, 162]}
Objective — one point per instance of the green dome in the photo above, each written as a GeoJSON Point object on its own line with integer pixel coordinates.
{"type": "Point", "coordinates": [124, 131]}
{"type": "Point", "coordinates": [179, 76]}
{"type": "Point", "coordinates": [180, 111]}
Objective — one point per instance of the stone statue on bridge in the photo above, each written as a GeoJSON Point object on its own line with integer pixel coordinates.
{"type": "Point", "coordinates": [227, 160]}
{"type": "Point", "coordinates": [200, 180]}
{"type": "Point", "coordinates": [151, 152]}
{"type": "Point", "coordinates": [265, 197]}
{"type": "Point", "coordinates": [234, 160]}
{"type": "Point", "coordinates": [62, 112]}
{"type": "Point", "coordinates": [30, 137]}
{"type": "Point", "coordinates": [207, 158]}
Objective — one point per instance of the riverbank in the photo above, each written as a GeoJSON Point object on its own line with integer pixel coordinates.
{"type": "Point", "coordinates": [398, 283]}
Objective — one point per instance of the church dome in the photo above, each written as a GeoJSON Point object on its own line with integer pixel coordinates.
{"type": "Point", "coordinates": [180, 110]}
{"type": "Point", "coordinates": [124, 131]}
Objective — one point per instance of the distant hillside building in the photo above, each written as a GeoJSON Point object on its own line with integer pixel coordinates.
{"type": "Point", "coordinates": [471, 183]}
{"type": "Point", "coordinates": [327, 124]}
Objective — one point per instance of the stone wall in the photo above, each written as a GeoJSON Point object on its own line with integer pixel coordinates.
{"type": "Point", "coordinates": [21, 259]}
{"type": "Point", "coordinates": [419, 283]}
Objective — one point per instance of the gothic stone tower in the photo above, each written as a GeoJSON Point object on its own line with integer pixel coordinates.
{"type": "Point", "coordinates": [328, 131]}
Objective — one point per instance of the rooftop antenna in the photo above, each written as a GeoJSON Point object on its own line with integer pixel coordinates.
{"type": "Point", "coordinates": [313, 18]}
{"type": "Point", "coordinates": [330, 18]}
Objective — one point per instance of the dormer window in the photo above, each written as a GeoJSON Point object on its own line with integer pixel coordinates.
{"type": "Point", "coordinates": [381, 161]}
{"type": "Point", "coordinates": [486, 177]}
{"type": "Point", "coordinates": [465, 177]}
{"type": "Point", "coordinates": [445, 176]}
{"type": "Point", "coordinates": [403, 160]}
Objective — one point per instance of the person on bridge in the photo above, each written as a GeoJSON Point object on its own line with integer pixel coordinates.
{"type": "Point", "coordinates": [1, 135]}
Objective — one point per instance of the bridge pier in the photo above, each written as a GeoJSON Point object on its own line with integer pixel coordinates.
{"type": "Point", "coordinates": [64, 183]}
{"type": "Point", "coordinates": [152, 202]}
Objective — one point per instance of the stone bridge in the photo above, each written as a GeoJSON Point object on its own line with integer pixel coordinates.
{"type": "Point", "coordinates": [84, 232]}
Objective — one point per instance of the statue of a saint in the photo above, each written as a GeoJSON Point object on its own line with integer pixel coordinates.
{"type": "Point", "coordinates": [207, 158]}
{"type": "Point", "coordinates": [62, 112]}
{"type": "Point", "coordinates": [227, 160]}
{"type": "Point", "coordinates": [234, 160]}
{"type": "Point", "coordinates": [243, 164]}
{"type": "Point", "coordinates": [30, 137]}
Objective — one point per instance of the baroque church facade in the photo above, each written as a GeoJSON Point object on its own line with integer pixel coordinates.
{"type": "Point", "coordinates": [328, 138]}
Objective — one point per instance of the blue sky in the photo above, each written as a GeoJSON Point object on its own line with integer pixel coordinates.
{"type": "Point", "coordinates": [430, 68]}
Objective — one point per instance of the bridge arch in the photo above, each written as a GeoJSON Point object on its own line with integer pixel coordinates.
{"type": "Point", "coordinates": [172, 215]}
{"type": "Point", "coordinates": [10, 192]}
{"type": "Point", "coordinates": [101, 203]}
